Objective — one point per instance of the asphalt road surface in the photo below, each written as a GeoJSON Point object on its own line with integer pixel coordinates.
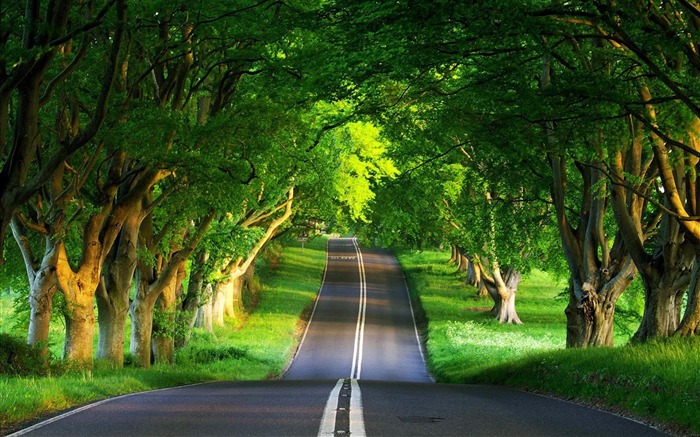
{"type": "Point", "coordinates": [358, 371]}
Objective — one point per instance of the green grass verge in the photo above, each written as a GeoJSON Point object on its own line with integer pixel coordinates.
{"type": "Point", "coordinates": [658, 382]}
{"type": "Point", "coordinates": [258, 349]}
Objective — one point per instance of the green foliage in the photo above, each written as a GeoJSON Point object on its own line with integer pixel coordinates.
{"type": "Point", "coordinates": [629, 309]}
{"type": "Point", "coordinates": [17, 358]}
{"type": "Point", "coordinates": [164, 323]}
{"type": "Point", "coordinates": [362, 164]}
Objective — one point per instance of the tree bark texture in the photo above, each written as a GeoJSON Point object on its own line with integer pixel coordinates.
{"type": "Point", "coordinates": [113, 292]}
{"type": "Point", "coordinates": [503, 288]}
{"type": "Point", "coordinates": [690, 324]}
{"type": "Point", "coordinates": [205, 313]}
{"type": "Point", "coordinates": [42, 286]}
{"type": "Point", "coordinates": [153, 280]}
{"type": "Point", "coordinates": [141, 312]}
{"type": "Point", "coordinates": [599, 273]}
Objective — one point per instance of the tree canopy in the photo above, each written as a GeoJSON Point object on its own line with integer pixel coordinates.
{"type": "Point", "coordinates": [145, 143]}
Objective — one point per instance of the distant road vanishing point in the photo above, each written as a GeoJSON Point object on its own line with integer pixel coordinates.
{"type": "Point", "coordinates": [359, 370]}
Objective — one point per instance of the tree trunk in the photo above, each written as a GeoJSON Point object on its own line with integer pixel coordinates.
{"type": "Point", "coordinates": [79, 290]}
{"type": "Point", "coordinates": [662, 309]}
{"type": "Point", "coordinates": [41, 292]}
{"type": "Point", "coordinates": [473, 277]}
{"type": "Point", "coordinates": [249, 281]}
{"type": "Point", "coordinates": [237, 301]}
{"type": "Point", "coordinates": [690, 325]}
{"type": "Point", "coordinates": [590, 320]}
{"type": "Point", "coordinates": [227, 288]}
{"type": "Point", "coordinates": [575, 329]}
{"type": "Point", "coordinates": [503, 289]}
{"type": "Point", "coordinates": [218, 306]}
{"type": "Point", "coordinates": [111, 317]}
{"type": "Point", "coordinates": [113, 293]}
{"type": "Point", "coordinates": [453, 255]}
{"type": "Point", "coordinates": [80, 330]}
{"type": "Point", "coordinates": [186, 319]}
{"type": "Point", "coordinates": [462, 261]}
{"type": "Point", "coordinates": [205, 314]}
{"type": "Point", "coordinates": [141, 312]}
{"type": "Point", "coordinates": [42, 288]}
{"type": "Point", "coordinates": [591, 310]}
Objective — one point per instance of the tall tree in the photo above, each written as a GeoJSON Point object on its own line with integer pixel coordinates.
{"type": "Point", "coordinates": [39, 58]}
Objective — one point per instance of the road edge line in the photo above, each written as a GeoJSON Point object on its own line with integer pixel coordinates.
{"type": "Point", "coordinates": [415, 325]}
{"type": "Point", "coordinates": [80, 409]}
{"type": "Point", "coordinates": [313, 312]}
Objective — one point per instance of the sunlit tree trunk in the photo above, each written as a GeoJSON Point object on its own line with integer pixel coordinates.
{"type": "Point", "coordinates": [141, 312]}
{"type": "Point", "coordinates": [205, 313]}
{"type": "Point", "coordinates": [667, 271]}
{"type": "Point", "coordinates": [690, 324]}
{"type": "Point", "coordinates": [503, 288]}
{"type": "Point", "coordinates": [474, 276]}
{"type": "Point", "coordinates": [599, 272]}
{"type": "Point", "coordinates": [42, 286]}
{"type": "Point", "coordinates": [79, 288]}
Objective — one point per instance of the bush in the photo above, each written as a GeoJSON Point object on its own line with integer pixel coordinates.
{"type": "Point", "coordinates": [17, 358]}
{"type": "Point", "coordinates": [206, 355]}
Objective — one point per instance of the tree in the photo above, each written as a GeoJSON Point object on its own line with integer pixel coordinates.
{"type": "Point", "coordinates": [38, 58]}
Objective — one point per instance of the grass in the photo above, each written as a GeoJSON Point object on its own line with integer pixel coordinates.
{"type": "Point", "coordinates": [657, 382]}
{"type": "Point", "coordinates": [462, 335]}
{"type": "Point", "coordinates": [254, 350]}
{"type": "Point", "coordinates": [6, 299]}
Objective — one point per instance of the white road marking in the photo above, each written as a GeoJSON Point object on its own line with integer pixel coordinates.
{"type": "Point", "coordinates": [357, 418]}
{"type": "Point", "coordinates": [327, 427]}
{"type": "Point", "coordinates": [36, 426]}
{"type": "Point", "coordinates": [361, 317]}
{"type": "Point", "coordinates": [415, 326]}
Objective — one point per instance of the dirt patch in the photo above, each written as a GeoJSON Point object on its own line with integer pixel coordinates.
{"type": "Point", "coordinates": [478, 309]}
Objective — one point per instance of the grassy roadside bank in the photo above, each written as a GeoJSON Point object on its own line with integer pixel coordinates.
{"type": "Point", "coordinates": [258, 350]}
{"type": "Point", "coordinates": [657, 382]}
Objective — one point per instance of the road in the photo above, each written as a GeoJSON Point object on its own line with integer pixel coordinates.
{"type": "Point", "coordinates": [359, 370]}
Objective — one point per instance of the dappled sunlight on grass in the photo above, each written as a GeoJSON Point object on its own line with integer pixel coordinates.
{"type": "Point", "coordinates": [658, 381]}
{"type": "Point", "coordinates": [473, 334]}
{"type": "Point", "coordinates": [462, 334]}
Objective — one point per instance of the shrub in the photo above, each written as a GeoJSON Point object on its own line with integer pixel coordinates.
{"type": "Point", "coordinates": [19, 359]}
{"type": "Point", "coordinates": [206, 355]}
